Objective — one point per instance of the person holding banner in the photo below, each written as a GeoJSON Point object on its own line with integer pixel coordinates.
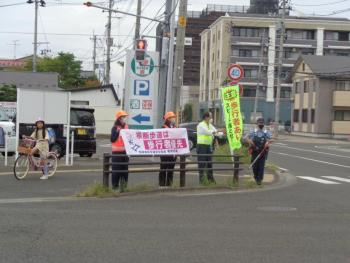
{"type": "Point", "coordinates": [259, 140]}
{"type": "Point", "coordinates": [205, 141]}
{"type": "Point", "coordinates": [166, 177]}
{"type": "Point", "coordinates": [119, 179]}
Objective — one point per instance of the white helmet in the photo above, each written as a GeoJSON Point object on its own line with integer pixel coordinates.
{"type": "Point", "coordinates": [40, 120]}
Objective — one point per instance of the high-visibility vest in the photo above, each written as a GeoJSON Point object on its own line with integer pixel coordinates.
{"type": "Point", "coordinates": [203, 138]}
{"type": "Point", "coordinates": [118, 145]}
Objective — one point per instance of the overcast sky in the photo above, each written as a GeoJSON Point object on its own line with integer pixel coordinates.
{"type": "Point", "coordinates": [77, 23]}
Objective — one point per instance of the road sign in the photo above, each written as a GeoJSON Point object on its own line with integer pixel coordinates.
{"type": "Point", "coordinates": [235, 72]}
{"type": "Point", "coordinates": [141, 90]}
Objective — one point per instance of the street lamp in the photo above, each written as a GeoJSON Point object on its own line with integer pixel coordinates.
{"type": "Point", "coordinates": [42, 3]}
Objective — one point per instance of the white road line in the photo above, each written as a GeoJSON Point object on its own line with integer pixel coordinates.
{"type": "Point", "coordinates": [313, 160]}
{"type": "Point", "coordinates": [336, 178]}
{"type": "Point", "coordinates": [279, 143]}
{"type": "Point", "coordinates": [304, 150]}
{"type": "Point", "coordinates": [317, 180]}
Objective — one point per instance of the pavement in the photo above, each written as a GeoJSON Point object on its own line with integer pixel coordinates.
{"type": "Point", "coordinates": [306, 218]}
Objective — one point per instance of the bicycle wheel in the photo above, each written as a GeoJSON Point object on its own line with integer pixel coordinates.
{"type": "Point", "coordinates": [21, 167]}
{"type": "Point", "coordinates": [51, 162]}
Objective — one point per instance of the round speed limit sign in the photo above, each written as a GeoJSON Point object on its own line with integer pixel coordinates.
{"type": "Point", "coordinates": [235, 72]}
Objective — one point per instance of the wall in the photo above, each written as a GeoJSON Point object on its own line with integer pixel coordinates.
{"type": "Point", "coordinates": [104, 104]}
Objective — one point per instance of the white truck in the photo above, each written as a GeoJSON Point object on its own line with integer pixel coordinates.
{"type": "Point", "coordinates": [9, 129]}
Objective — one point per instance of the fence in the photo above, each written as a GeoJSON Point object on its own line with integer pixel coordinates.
{"type": "Point", "coordinates": [182, 163]}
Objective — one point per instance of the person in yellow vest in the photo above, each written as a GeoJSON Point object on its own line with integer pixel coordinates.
{"type": "Point", "coordinates": [119, 179]}
{"type": "Point", "coordinates": [166, 177]}
{"type": "Point", "coordinates": [205, 141]}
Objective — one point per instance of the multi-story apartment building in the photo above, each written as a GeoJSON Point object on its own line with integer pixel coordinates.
{"type": "Point", "coordinates": [238, 39]}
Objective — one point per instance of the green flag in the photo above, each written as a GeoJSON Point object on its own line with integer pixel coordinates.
{"type": "Point", "coordinates": [233, 117]}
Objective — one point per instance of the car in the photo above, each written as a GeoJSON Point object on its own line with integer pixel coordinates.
{"type": "Point", "coordinates": [191, 128]}
{"type": "Point", "coordinates": [8, 128]}
{"type": "Point", "coordinates": [82, 123]}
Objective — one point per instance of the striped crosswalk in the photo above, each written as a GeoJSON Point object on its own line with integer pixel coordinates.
{"type": "Point", "coordinates": [330, 180]}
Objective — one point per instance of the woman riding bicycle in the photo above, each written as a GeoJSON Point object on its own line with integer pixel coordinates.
{"type": "Point", "coordinates": [41, 136]}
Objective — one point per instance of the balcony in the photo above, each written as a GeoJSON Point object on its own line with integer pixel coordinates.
{"type": "Point", "coordinates": [341, 127]}
{"type": "Point", "coordinates": [341, 98]}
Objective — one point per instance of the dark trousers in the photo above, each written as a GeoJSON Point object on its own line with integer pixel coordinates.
{"type": "Point", "coordinates": [166, 177]}
{"type": "Point", "coordinates": [259, 166]}
{"type": "Point", "coordinates": [120, 177]}
{"type": "Point", "coordinates": [204, 162]}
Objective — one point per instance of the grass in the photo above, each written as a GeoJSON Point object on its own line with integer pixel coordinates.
{"type": "Point", "coordinates": [97, 190]}
{"type": "Point", "coordinates": [225, 150]}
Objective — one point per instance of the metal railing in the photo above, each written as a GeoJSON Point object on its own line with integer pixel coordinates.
{"type": "Point", "coordinates": [182, 161]}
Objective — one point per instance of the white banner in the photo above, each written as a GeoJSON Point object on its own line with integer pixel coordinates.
{"type": "Point", "coordinates": [156, 141]}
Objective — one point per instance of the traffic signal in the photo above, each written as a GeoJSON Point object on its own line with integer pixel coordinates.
{"type": "Point", "coordinates": [140, 50]}
{"type": "Point", "coordinates": [88, 4]}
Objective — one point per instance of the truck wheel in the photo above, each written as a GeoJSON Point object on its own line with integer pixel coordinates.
{"type": "Point", "coordinates": [8, 154]}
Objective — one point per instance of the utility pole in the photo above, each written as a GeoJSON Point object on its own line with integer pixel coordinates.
{"type": "Point", "coordinates": [35, 34]}
{"type": "Point", "coordinates": [279, 72]}
{"type": "Point", "coordinates": [14, 47]}
{"type": "Point", "coordinates": [109, 43]}
{"type": "Point", "coordinates": [262, 43]}
{"type": "Point", "coordinates": [94, 39]}
{"type": "Point", "coordinates": [168, 104]}
{"type": "Point", "coordinates": [179, 55]}
{"type": "Point", "coordinates": [138, 19]}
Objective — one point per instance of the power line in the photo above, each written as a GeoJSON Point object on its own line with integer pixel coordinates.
{"type": "Point", "coordinates": [324, 4]}
{"type": "Point", "coordinates": [58, 34]}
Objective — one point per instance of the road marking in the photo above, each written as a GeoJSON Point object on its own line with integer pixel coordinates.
{"type": "Point", "coordinates": [337, 178]}
{"type": "Point", "coordinates": [317, 180]}
{"type": "Point", "coordinates": [37, 200]}
{"type": "Point", "coordinates": [279, 143]}
{"type": "Point", "coordinates": [313, 160]}
{"type": "Point", "coordinates": [304, 150]}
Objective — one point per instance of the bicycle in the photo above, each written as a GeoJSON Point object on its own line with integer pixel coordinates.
{"type": "Point", "coordinates": [27, 161]}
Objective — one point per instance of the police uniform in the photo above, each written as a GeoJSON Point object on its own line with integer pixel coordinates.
{"type": "Point", "coordinates": [259, 137]}
{"type": "Point", "coordinates": [205, 139]}
{"type": "Point", "coordinates": [118, 149]}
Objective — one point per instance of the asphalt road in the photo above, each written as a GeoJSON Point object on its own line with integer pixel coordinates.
{"type": "Point", "coordinates": [308, 221]}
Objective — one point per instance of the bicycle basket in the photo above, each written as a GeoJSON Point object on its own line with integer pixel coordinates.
{"type": "Point", "coordinates": [24, 150]}
{"type": "Point", "coordinates": [27, 143]}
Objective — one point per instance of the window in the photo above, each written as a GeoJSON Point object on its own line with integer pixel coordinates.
{"type": "Point", "coordinates": [296, 116]}
{"type": "Point", "coordinates": [297, 87]}
{"type": "Point", "coordinates": [247, 53]}
{"type": "Point", "coordinates": [219, 35]}
{"type": "Point", "coordinates": [250, 73]}
{"type": "Point", "coordinates": [246, 32]}
{"type": "Point", "coordinates": [342, 85]}
{"type": "Point", "coordinates": [342, 54]}
{"type": "Point", "coordinates": [306, 86]}
{"type": "Point", "coordinates": [249, 92]}
{"type": "Point", "coordinates": [343, 36]}
{"type": "Point", "coordinates": [303, 66]}
{"type": "Point", "coordinates": [304, 115]}
{"type": "Point", "coordinates": [342, 115]}
{"type": "Point", "coordinates": [312, 115]}
{"type": "Point", "coordinates": [330, 35]}
{"type": "Point", "coordinates": [286, 92]}
{"type": "Point", "coordinates": [300, 34]}
{"type": "Point", "coordinates": [218, 54]}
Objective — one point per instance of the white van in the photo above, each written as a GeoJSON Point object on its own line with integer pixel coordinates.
{"type": "Point", "coordinates": [9, 129]}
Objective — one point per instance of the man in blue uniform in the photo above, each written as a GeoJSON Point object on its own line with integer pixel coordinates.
{"type": "Point", "coordinates": [259, 139]}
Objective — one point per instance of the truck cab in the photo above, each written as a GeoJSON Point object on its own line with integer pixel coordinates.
{"type": "Point", "coordinates": [9, 129]}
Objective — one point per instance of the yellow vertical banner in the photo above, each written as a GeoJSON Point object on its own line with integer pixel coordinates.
{"type": "Point", "coordinates": [233, 118]}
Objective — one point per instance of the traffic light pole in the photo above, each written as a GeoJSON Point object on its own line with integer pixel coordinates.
{"type": "Point", "coordinates": [138, 19]}
{"type": "Point", "coordinates": [168, 102]}
{"type": "Point", "coordinates": [179, 55]}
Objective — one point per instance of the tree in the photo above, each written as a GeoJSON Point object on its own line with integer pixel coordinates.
{"type": "Point", "coordinates": [187, 113]}
{"type": "Point", "coordinates": [65, 65]}
{"type": "Point", "coordinates": [8, 93]}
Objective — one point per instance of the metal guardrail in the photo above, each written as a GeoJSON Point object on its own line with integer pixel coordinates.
{"type": "Point", "coordinates": [181, 161]}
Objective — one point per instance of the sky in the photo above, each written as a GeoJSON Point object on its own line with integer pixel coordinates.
{"type": "Point", "coordinates": [68, 25]}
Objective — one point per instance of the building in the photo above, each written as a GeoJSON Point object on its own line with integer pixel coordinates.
{"type": "Point", "coordinates": [321, 96]}
{"type": "Point", "coordinates": [103, 99]}
{"type": "Point", "coordinates": [238, 39]}
{"type": "Point", "coordinates": [12, 64]}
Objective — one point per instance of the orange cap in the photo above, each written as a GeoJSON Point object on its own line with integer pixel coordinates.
{"type": "Point", "coordinates": [120, 114]}
{"type": "Point", "coordinates": [169, 115]}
